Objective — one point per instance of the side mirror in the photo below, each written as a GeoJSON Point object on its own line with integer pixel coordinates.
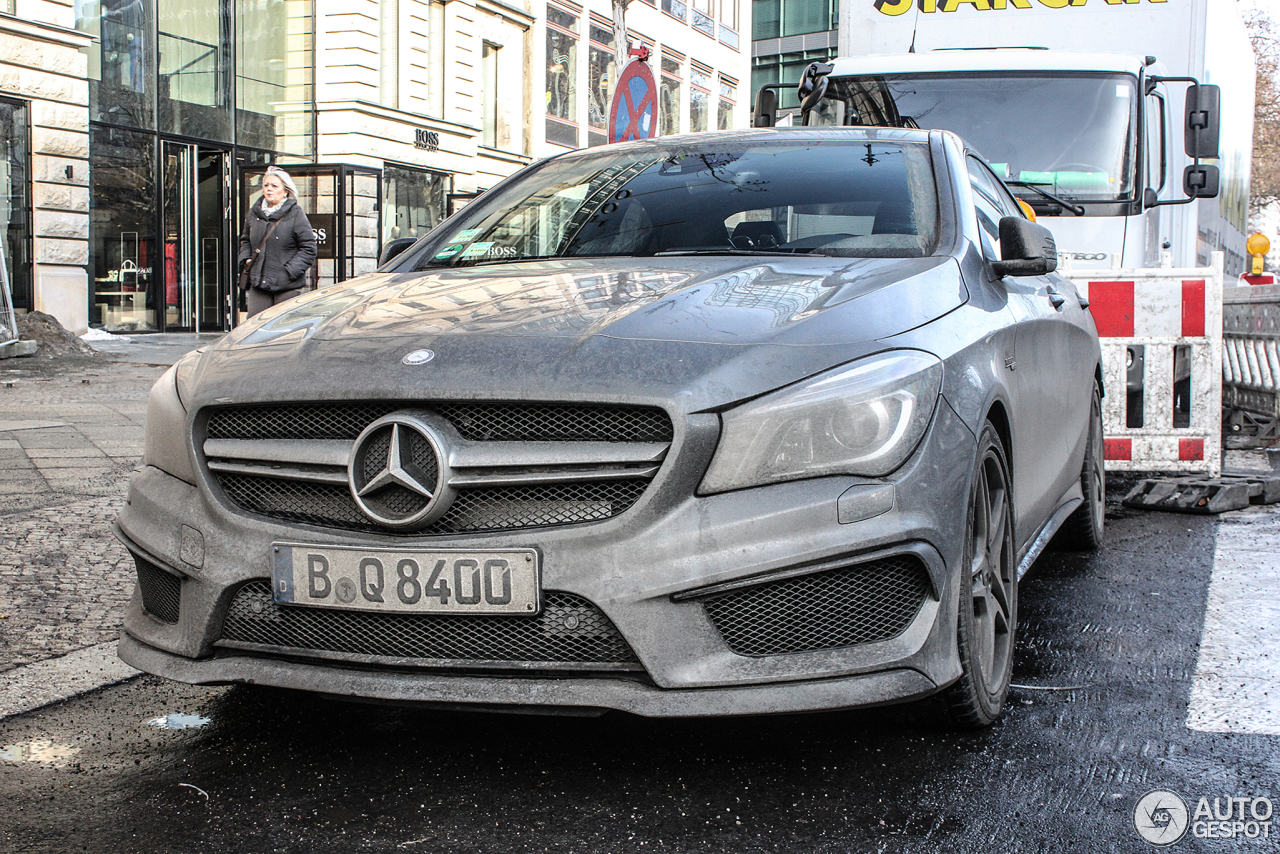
{"type": "Point", "coordinates": [394, 248]}
{"type": "Point", "coordinates": [1204, 112]}
{"type": "Point", "coordinates": [766, 112]}
{"type": "Point", "coordinates": [1200, 181]}
{"type": "Point", "coordinates": [1026, 249]}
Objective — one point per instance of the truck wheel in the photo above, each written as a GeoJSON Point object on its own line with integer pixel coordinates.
{"type": "Point", "coordinates": [1083, 530]}
{"type": "Point", "coordinates": [988, 617]}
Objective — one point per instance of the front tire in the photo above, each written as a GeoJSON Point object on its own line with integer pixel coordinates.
{"type": "Point", "coordinates": [988, 618]}
{"type": "Point", "coordinates": [1084, 529]}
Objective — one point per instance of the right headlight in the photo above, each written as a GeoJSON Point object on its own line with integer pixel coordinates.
{"type": "Point", "coordinates": [864, 418]}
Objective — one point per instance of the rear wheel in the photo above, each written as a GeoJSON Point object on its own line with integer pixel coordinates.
{"type": "Point", "coordinates": [988, 615]}
{"type": "Point", "coordinates": [1083, 530]}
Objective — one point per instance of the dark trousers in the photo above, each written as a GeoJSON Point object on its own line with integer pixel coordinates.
{"type": "Point", "coordinates": [259, 300]}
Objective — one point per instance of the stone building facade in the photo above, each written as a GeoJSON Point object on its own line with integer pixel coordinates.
{"type": "Point", "coordinates": [44, 149]}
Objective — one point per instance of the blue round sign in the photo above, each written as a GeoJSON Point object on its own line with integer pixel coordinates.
{"type": "Point", "coordinates": [634, 112]}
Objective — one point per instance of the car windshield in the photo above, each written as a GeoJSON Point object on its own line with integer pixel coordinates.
{"type": "Point", "coordinates": [845, 198]}
{"type": "Point", "coordinates": [1070, 134]}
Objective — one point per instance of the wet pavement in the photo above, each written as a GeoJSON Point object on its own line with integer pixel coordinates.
{"type": "Point", "coordinates": [1139, 668]}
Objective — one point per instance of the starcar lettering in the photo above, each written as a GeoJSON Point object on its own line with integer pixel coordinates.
{"type": "Point", "coordinates": [899, 7]}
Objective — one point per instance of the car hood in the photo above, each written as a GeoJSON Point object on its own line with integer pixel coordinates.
{"type": "Point", "coordinates": [699, 331]}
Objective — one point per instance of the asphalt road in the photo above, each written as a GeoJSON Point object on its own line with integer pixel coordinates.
{"type": "Point", "coordinates": [1108, 654]}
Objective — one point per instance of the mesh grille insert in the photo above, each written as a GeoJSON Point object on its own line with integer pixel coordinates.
{"type": "Point", "coordinates": [483, 509]}
{"type": "Point", "coordinates": [479, 422]}
{"type": "Point", "coordinates": [852, 605]}
{"type": "Point", "coordinates": [570, 630]}
{"type": "Point", "coordinates": [161, 591]}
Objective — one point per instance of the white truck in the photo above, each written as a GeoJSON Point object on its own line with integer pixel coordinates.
{"type": "Point", "coordinates": [1089, 109]}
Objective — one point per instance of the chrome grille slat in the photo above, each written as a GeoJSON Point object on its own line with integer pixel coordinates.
{"type": "Point", "coordinates": [569, 631]}
{"type": "Point", "coordinates": [513, 465]}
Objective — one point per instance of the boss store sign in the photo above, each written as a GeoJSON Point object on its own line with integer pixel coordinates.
{"type": "Point", "coordinates": [427, 140]}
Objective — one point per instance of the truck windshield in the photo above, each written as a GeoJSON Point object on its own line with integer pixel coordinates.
{"type": "Point", "coordinates": [1070, 134]}
{"type": "Point", "coordinates": [842, 194]}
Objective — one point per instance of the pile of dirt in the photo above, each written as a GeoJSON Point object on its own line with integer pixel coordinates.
{"type": "Point", "coordinates": [53, 340]}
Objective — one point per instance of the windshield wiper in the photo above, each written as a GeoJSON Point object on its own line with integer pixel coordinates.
{"type": "Point", "coordinates": [731, 251]}
{"type": "Point", "coordinates": [1078, 210]}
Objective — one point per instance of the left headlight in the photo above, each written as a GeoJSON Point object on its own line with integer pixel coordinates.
{"type": "Point", "coordinates": [165, 434]}
{"type": "Point", "coordinates": [864, 418]}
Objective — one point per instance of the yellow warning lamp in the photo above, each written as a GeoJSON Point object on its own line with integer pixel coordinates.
{"type": "Point", "coordinates": [1258, 246]}
{"type": "Point", "coordinates": [1031, 214]}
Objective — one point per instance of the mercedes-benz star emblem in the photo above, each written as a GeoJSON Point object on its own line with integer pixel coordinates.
{"type": "Point", "coordinates": [418, 357]}
{"type": "Point", "coordinates": [398, 471]}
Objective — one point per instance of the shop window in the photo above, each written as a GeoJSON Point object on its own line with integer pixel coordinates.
{"type": "Point", "coordinates": [414, 201]}
{"type": "Point", "coordinates": [122, 230]}
{"type": "Point", "coordinates": [669, 95]}
{"type": "Point", "coordinates": [15, 203]}
{"type": "Point", "coordinates": [562, 72]}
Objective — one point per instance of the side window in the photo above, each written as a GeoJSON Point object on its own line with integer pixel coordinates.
{"type": "Point", "coordinates": [1156, 155]}
{"type": "Point", "coordinates": [991, 202]}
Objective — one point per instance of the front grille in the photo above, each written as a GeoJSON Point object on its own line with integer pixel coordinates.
{"type": "Point", "coordinates": [482, 509]}
{"type": "Point", "coordinates": [161, 591]}
{"type": "Point", "coordinates": [569, 632]}
{"type": "Point", "coordinates": [479, 422]}
{"type": "Point", "coordinates": [522, 492]}
{"type": "Point", "coordinates": [858, 604]}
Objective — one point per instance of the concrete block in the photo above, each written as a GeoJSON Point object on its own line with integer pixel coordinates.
{"type": "Point", "coordinates": [10, 349]}
{"type": "Point", "coordinates": [47, 114]}
{"type": "Point", "coordinates": [51, 250]}
{"type": "Point", "coordinates": [59, 143]}
{"type": "Point", "coordinates": [64, 292]}
{"type": "Point", "coordinates": [60, 197]}
{"type": "Point", "coordinates": [61, 224]}
{"type": "Point", "coordinates": [53, 170]}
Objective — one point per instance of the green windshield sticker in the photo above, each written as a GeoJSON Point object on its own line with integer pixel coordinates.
{"type": "Point", "coordinates": [449, 251]}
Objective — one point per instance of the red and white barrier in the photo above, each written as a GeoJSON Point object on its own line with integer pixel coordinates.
{"type": "Point", "coordinates": [1174, 317]}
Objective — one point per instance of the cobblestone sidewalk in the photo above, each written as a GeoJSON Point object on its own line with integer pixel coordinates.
{"type": "Point", "coordinates": [70, 434]}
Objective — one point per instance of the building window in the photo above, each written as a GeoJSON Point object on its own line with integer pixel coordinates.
{"type": "Point", "coordinates": [489, 92]}
{"type": "Point", "coordinates": [669, 95]}
{"type": "Point", "coordinates": [675, 8]}
{"type": "Point", "coordinates": [704, 20]}
{"type": "Point", "coordinates": [15, 201]}
{"type": "Point", "coordinates": [729, 23]}
{"type": "Point", "coordinates": [195, 69]}
{"type": "Point", "coordinates": [562, 72]}
{"type": "Point", "coordinates": [122, 60]}
{"type": "Point", "coordinates": [274, 77]}
{"type": "Point", "coordinates": [699, 99]}
{"type": "Point", "coordinates": [389, 26]}
{"type": "Point", "coordinates": [601, 75]}
{"type": "Point", "coordinates": [771, 19]}
{"type": "Point", "coordinates": [728, 90]}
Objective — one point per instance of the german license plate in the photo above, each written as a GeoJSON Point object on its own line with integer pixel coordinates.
{"type": "Point", "coordinates": [437, 581]}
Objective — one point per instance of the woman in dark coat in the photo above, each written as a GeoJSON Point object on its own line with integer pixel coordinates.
{"type": "Point", "coordinates": [280, 270]}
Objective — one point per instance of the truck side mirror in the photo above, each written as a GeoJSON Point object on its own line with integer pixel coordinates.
{"type": "Point", "coordinates": [766, 113]}
{"type": "Point", "coordinates": [1026, 249]}
{"type": "Point", "coordinates": [1204, 111]}
{"type": "Point", "coordinates": [1200, 181]}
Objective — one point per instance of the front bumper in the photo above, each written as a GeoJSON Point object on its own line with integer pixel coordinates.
{"type": "Point", "coordinates": [648, 570]}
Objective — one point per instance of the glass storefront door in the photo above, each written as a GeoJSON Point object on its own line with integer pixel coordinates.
{"type": "Point", "coordinates": [194, 224]}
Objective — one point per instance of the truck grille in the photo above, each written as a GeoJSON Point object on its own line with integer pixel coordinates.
{"type": "Point", "coordinates": [569, 633]}
{"type": "Point", "coordinates": [852, 605]}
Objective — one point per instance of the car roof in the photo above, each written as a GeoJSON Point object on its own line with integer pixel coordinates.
{"type": "Point", "coordinates": [757, 136]}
